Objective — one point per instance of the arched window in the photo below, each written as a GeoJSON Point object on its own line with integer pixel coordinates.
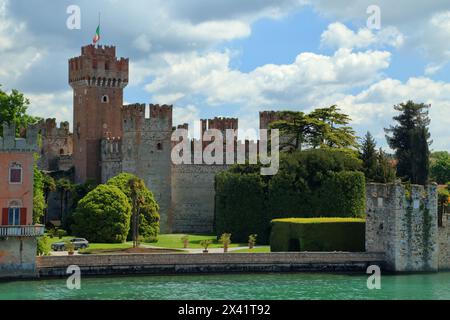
{"type": "Point", "coordinates": [105, 99]}
{"type": "Point", "coordinates": [15, 173]}
{"type": "Point", "coordinates": [159, 146]}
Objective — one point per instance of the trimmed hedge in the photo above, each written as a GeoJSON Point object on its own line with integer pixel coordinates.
{"type": "Point", "coordinates": [241, 213]}
{"type": "Point", "coordinates": [318, 234]}
{"type": "Point", "coordinates": [313, 183]}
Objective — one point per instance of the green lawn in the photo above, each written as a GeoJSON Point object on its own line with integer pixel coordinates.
{"type": "Point", "coordinates": [265, 249]}
{"type": "Point", "coordinates": [173, 241]}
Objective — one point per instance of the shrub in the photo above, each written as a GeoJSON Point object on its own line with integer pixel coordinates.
{"type": "Point", "coordinates": [225, 239]}
{"type": "Point", "coordinates": [318, 234]}
{"type": "Point", "coordinates": [69, 246]}
{"type": "Point", "coordinates": [60, 233]}
{"type": "Point", "coordinates": [43, 246]}
{"type": "Point", "coordinates": [149, 216]}
{"type": "Point", "coordinates": [103, 216]}
{"type": "Point", "coordinates": [312, 183]}
{"type": "Point", "coordinates": [185, 240]}
{"type": "Point", "coordinates": [240, 205]}
{"type": "Point", "coordinates": [205, 244]}
{"type": "Point", "coordinates": [252, 240]}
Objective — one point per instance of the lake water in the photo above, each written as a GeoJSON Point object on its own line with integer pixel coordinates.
{"type": "Point", "coordinates": [296, 286]}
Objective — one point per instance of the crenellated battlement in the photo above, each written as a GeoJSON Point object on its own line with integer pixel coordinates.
{"type": "Point", "coordinates": [268, 117]}
{"type": "Point", "coordinates": [9, 142]}
{"type": "Point", "coordinates": [49, 128]}
{"type": "Point", "coordinates": [161, 111]}
{"type": "Point", "coordinates": [98, 66]}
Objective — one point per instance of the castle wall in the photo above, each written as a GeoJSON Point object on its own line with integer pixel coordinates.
{"type": "Point", "coordinates": [57, 146]}
{"type": "Point", "coordinates": [146, 153]}
{"type": "Point", "coordinates": [403, 224]}
{"type": "Point", "coordinates": [444, 243]}
{"type": "Point", "coordinates": [193, 197]}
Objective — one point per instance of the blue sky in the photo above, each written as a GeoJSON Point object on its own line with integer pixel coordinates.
{"type": "Point", "coordinates": [236, 58]}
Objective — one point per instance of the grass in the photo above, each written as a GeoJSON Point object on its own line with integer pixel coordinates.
{"type": "Point", "coordinates": [173, 241]}
{"type": "Point", "coordinates": [264, 249]}
{"type": "Point", "coordinates": [318, 220]}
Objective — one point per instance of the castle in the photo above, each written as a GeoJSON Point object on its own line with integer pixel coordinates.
{"type": "Point", "coordinates": [110, 138]}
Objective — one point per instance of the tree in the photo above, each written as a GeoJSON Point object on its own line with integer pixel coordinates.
{"type": "Point", "coordinates": [148, 209]}
{"type": "Point", "coordinates": [385, 172]}
{"type": "Point", "coordinates": [77, 192]}
{"type": "Point", "coordinates": [39, 204]}
{"type": "Point", "coordinates": [103, 216]}
{"type": "Point", "coordinates": [369, 157]}
{"type": "Point", "coordinates": [13, 110]}
{"type": "Point", "coordinates": [440, 168]}
{"type": "Point", "coordinates": [410, 139]}
{"type": "Point", "coordinates": [322, 128]}
{"type": "Point", "coordinates": [49, 185]}
{"type": "Point", "coordinates": [294, 129]}
{"type": "Point", "coordinates": [137, 187]}
{"type": "Point", "coordinates": [332, 129]}
{"type": "Point", "coordinates": [64, 186]}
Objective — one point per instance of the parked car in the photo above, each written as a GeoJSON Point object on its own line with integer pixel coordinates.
{"type": "Point", "coordinates": [78, 243]}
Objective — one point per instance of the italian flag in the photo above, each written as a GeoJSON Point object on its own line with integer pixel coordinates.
{"type": "Point", "coordinates": [97, 35]}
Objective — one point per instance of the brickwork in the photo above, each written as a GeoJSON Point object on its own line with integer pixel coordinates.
{"type": "Point", "coordinates": [57, 146]}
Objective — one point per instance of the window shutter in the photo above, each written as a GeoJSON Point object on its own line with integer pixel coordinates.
{"type": "Point", "coordinates": [23, 216]}
{"type": "Point", "coordinates": [5, 216]}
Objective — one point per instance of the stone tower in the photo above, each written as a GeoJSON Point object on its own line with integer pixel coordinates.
{"type": "Point", "coordinates": [146, 150]}
{"type": "Point", "coordinates": [98, 78]}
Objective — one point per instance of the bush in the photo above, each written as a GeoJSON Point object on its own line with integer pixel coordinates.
{"type": "Point", "coordinates": [240, 205]}
{"type": "Point", "coordinates": [43, 246]}
{"type": "Point", "coordinates": [318, 234]}
{"type": "Point", "coordinates": [60, 233]}
{"type": "Point", "coordinates": [103, 216]}
{"type": "Point", "coordinates": [313, 183]}
{"type": "Point", "coordinates": [149, 216]}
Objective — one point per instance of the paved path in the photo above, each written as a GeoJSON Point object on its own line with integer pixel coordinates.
{"type": "Point", "coordinates": [194, 251]}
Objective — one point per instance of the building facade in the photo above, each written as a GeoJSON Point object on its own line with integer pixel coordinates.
{"type": "Point", "coordinates": [17, 232]}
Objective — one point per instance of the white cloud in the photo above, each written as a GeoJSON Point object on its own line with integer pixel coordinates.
{"type": "Point", "coordinates": [51, 105]}
{"type": "Point", "coordinates": [310, 75]}
{"type": "Point", "coordinates": [338, 35]}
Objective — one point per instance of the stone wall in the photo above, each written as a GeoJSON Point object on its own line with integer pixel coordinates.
{"type": "Point", "coordinates": [403, 224]}
{"type": "Point", "coordinates": [205, 263]}
{"type": "Point", "coordinates": [57, 146]}
{"type": "Point", "coordinates": [17, 257]}
{"type": "Point", "coordinates": [146, 153]}
{"type": "Point", "coordinates": [193, 197]}
{"type": "Point", "coordinates": [444, 243]}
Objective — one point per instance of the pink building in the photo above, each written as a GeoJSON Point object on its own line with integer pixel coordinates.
{"type": "Point", "coordinates": [17, 232]}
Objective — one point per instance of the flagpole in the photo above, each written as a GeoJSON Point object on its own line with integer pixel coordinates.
{"type": "Point", "coordinates": [99, 21]}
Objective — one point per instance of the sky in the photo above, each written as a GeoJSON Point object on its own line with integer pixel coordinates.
{"type": "Point", "coordinates": [234, 58]}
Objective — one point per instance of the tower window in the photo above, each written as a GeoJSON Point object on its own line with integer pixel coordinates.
{"type": "Point", "coordinates": [105, 99]}
{"type": "Point", "coordinates": [15, 173]}
{"type": "Point", "coordinates": [159, 146]}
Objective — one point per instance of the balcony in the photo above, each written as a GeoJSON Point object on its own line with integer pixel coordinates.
{"type": "Point", "coordinates": [22, 231]}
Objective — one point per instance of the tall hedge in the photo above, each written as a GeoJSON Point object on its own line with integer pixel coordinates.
{"type": "Point", "coordinates": [103, 216]}
{"type": "Point", "coordinates": [313, 183]}
{"type": "Point", "coordinates": [318, 234]}
{"type": "Point", "coordinates": [240, 206]}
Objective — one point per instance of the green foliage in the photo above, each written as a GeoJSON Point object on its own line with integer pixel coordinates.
{"type": "Point", "coordinates": [148, 208]}
{"type": "Point", "coordinates": [324, 234]}
{"type": "Point", "coordinates": [43, 246]}
{"type": "Point", "coordinates": [69, 246]}
{"type": "Point", "coordinates": [205, 244]}
{"type": "Point", "coordinates": [103, 216]}
{"type": "Point", "coordinates": [241, 205]}
{"type": "Point", "coordinates": [313, 183]}
{"type": "Point", "coordinates": [225, 239]}
{"type": "Point", "coordinates": [410, 138]}
{"type": "Point", "coordinates": [39, 203]}
{"type": "Point", "coordinates": [77, 192]}
{"type": "Point", "coordinates": [13, 110]}
{"type": "Point", "coordinates": [440, 167]}
{"type": "Point", "coordinates": [252, 240]}
{"type": "Point", "coordinates": [60, 233]}
{"type": "Point", "coordinates": [324, 128]}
